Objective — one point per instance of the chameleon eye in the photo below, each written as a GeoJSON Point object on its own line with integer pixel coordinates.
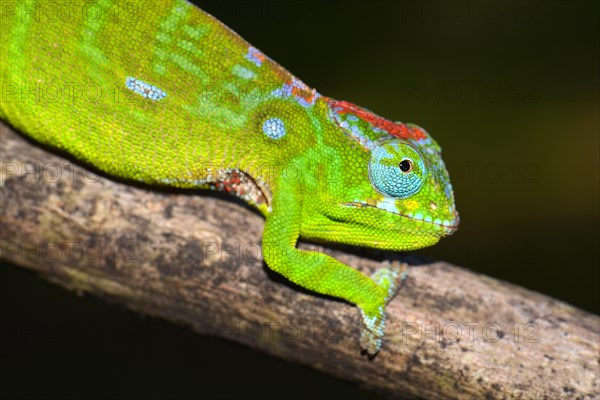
{"type": "Point", "coordinates": [406, 166]}
{"type": "Point", "coordinates": [396, 169]}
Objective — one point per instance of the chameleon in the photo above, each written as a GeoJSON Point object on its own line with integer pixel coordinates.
{"type": "Point", "coordinates": [165, 94]}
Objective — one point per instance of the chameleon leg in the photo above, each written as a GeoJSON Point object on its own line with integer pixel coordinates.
{"type": "Point", "coordinates": [390, 278]}
{"type": "Point", "coordinates": [324, 274]}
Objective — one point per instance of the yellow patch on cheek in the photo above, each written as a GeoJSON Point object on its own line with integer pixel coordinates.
{"type": "Point", "coordinates": [412, 205]}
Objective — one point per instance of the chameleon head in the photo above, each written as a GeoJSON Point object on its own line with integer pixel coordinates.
{"type": "Point", "coordinates": [408, 201]}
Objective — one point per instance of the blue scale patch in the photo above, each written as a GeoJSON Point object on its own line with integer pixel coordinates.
{"type": "Point", "coordinates": [255, 56]}
{"type": "Point", "coordinates": [306, 98]}
{"type": "Point", "coordinates": [274, 128]}
{"type": "Point", "coordinates": [144, 89]}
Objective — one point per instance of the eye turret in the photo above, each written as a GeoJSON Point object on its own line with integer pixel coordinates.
{"type": "Point", "coordinates": [396, 169]}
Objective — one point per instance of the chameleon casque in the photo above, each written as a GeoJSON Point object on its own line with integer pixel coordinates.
{"type": "Point", "coordinates": [163, 93]}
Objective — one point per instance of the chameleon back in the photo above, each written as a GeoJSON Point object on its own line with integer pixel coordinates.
{"type": "Point", "coordinates": [157, 92]}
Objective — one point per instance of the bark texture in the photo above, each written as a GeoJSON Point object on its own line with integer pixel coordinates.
{"type": "Point", "coordinates": [195, 260]}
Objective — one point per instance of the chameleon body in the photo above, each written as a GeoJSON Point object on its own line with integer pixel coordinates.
{"type": "Point", "coordinates": [163, 93]}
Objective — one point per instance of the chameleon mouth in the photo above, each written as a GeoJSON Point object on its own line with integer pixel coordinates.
{"type": "Point", "coordinates": [447, 226]}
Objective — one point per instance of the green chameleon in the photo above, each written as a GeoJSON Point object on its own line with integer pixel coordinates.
{"type": "Point", "coordinates": [162, 93]}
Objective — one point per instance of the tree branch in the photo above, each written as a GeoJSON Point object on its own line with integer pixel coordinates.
{"type": "Point", "coordinates": [195, 260]}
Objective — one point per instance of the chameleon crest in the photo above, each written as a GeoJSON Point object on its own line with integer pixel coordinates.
{"type": "Point", "coordinates": [163, 93]}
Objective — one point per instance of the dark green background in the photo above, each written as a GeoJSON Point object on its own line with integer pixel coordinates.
{"type": "Point", "coordinates": [509, 89]}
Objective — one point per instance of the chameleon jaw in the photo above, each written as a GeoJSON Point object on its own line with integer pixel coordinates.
{"type": "Point", "coordinates": [447, 226]}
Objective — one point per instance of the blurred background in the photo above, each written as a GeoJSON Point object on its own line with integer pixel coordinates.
{"type": "Point", "coordinates": [508, 89]}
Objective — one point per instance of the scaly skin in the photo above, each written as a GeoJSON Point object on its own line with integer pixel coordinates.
{"type": "Point", "coordinates": [163, 93]}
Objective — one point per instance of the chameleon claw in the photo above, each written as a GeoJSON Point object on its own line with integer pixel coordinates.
{"type": "Point", "coordinates": [390, 278]}
{"type": "Point", "coordinates": [371, 335]}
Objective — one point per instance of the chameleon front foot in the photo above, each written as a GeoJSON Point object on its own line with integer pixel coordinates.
{"type": "Point", "coordinates": [389, 278]}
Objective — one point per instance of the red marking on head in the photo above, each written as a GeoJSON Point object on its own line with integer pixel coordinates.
{"type": "Point", "coordinates": [301, 90]}
{"type": "Point", "coordinates": [398, 130]}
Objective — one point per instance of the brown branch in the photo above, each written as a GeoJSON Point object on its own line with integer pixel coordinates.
{"type": "Point", "coordinates": [194, 260]}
